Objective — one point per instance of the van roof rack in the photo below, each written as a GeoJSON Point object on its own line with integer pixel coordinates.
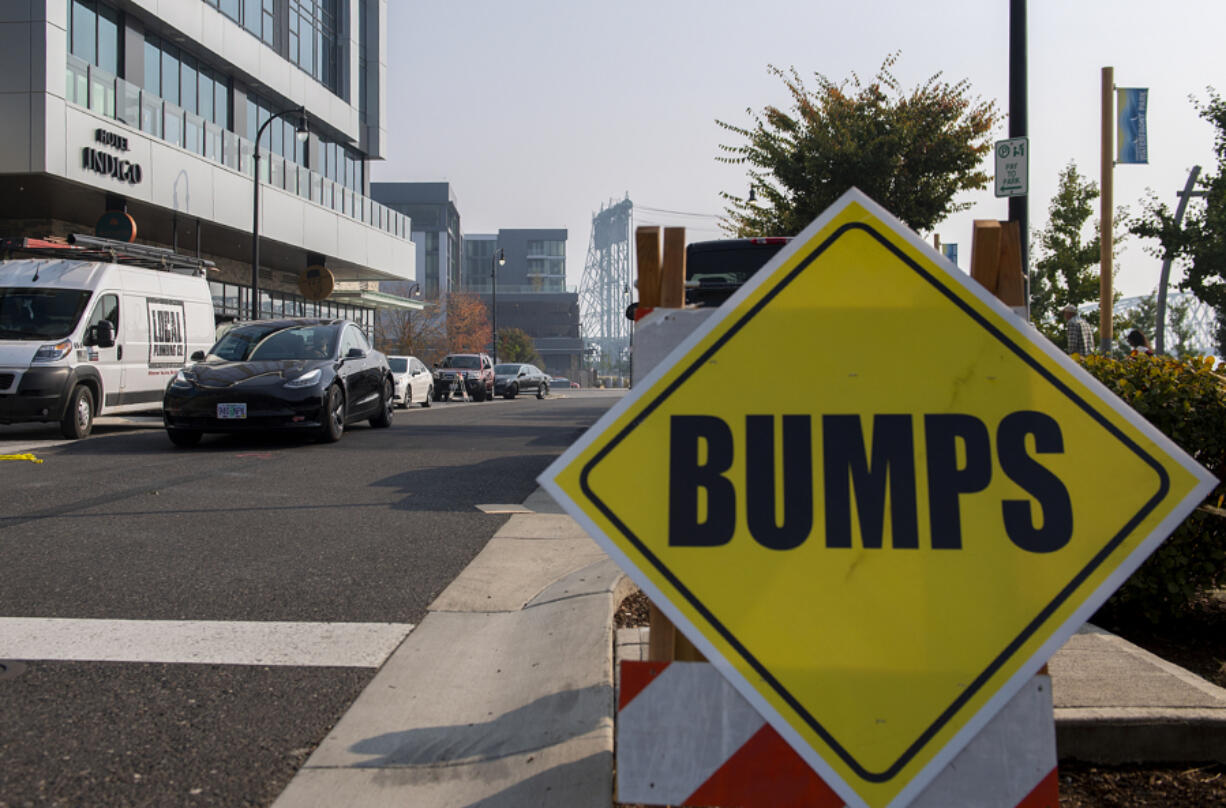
{"type": "Point", "coordinates": [82, 247]}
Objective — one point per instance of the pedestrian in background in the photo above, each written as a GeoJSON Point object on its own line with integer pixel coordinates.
{"type": "Point", "coordinates": [1080, 335]}
{"type": "Point", "coordinates": [1139, 343]}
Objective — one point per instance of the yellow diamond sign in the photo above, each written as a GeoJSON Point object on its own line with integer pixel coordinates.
{"type": "Point", "coordinates": [875, 498]}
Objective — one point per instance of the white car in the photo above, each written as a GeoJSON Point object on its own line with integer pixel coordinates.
{"type": "Point", "coordinates": [414, 381]}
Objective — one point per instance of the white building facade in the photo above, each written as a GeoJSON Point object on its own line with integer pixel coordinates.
{"type": "Point", "coordinates": [145, 111]}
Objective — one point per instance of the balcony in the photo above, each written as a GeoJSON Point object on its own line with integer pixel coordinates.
{"type": "Point", "coordinates": [104, 94]}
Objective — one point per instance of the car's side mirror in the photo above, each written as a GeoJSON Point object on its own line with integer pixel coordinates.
{"type": "Point", "coordinates": [104, 334]}
{"type": "Point", "coordinates": [198, 356]}
{"type": "Point", "coordinates": [355, 353]}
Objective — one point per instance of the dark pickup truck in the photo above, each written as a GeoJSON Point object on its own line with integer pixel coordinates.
{"type": "Point", "coordinates": [716, 269]}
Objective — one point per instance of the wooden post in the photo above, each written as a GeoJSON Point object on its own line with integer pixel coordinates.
{"type": "Point", "coordinates": [996, 261]}
{"type": "Point", "coordinates": [1107, 225]}
{"type": "Point", "coordinates": [647, 246]}
{"type": "Point", "coordinates": [672, 274]}
{"type": "Point", "coordinates": [661, 283]}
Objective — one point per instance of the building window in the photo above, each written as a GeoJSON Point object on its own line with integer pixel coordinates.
{"type": "Point", "coordinates": [255, 15]}
{"type": "Point", "coordinates": [313, 42]}
{"type": "Point", "coordinates": [177, 77]}
{"type": "Point", "coordinates": [547, 248]}
{"type": "Point", "coordinates": [93, 34]}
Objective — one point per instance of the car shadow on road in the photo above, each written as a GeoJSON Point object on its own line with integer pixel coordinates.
{"type": "Point", "coordinates": [508, 479]}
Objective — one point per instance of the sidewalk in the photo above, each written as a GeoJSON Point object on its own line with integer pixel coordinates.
{"type": "Point", "coordinates": [504, 694]}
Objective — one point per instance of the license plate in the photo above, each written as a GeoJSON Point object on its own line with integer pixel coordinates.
{"type": "Point", "coordinates": [231, 410]}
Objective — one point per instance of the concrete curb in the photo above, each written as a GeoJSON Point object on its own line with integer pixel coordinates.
{"type": "Point", "coordinates": [1118, 703]}
{"type": "Point", "coordinates": [503, 694]}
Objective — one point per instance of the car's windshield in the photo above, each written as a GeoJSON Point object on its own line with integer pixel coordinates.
{"type": "Point", "coordinates": [398, 364]}
{"type": "Point", "coordinates": [40, 313]}
{"type": "Point", "coordinates": [262, 343]}
{"type": "Point", "coordinates": [462, 362]}
{"type": "Point", "coordinates": [506, 370]}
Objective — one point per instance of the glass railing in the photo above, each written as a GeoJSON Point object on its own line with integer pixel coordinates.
{"type": "Point", "coordinates": [104, 94]}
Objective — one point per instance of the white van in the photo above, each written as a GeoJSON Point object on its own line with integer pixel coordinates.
{"type": "Point", "coordinates": [80, 338]}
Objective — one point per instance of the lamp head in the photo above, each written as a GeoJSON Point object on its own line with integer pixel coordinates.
{"type": "Point", "coordinates": [303, 131]}
{"type": "Point", "coordinates": [502, 257]}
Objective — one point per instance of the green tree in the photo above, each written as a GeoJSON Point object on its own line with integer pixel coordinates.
{"type": "Point", "coordinates": [1179, 320]}
{"type": "Point", "coordinates": [1199, 242]}
{"type": "Point", "coordinates": [912, 152]}
{"type": "Point", "coordinates": [514, 345]}
{"type": "Point", "coordinates": [1067, 268]}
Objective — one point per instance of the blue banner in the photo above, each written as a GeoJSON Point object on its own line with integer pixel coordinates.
{"type": "Point", "coordinates": [1132, 139]}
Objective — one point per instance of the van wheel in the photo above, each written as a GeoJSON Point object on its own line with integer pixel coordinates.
{"type": "Point", "coordinates": [333, 416]}
{"type": "Point", "coordinates": [78, 419]}
{"type": "Point", "coordinates": [184, 438]}
{"type": "Point", "coordinates": [425, 402]}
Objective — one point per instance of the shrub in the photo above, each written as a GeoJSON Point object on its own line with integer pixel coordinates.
{"type": "Point", "coordinates": [1186, 401]}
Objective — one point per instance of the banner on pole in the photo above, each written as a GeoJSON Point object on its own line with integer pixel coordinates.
{"type": "Point", "coordinates": [1132, 141]}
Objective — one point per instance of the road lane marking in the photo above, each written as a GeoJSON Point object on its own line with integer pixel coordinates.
{"type": "Point", "coordinates": [344, 645]}
{"type": "Point", "coordinates": [504, 509]}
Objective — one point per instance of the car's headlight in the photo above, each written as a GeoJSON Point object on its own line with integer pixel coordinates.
{"type": "Point", "coordinates": [311, 377]}
{"type": "Point", "coordinates": [183, 378]}
{"type": "Point", "coordinates": [53, 353]}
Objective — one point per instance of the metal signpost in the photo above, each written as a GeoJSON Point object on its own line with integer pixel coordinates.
{"type": "Point", "coordinates": [880, 553]}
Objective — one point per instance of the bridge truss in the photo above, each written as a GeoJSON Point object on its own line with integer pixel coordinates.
{"type": "Point", "coordinates": [607, 287]}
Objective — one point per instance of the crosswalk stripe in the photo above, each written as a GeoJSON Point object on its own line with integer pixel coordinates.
{"type": "Point", "coordinates": [349, 645]}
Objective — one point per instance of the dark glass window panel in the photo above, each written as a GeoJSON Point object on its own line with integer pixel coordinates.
{"type": "Point", "coordinates": [229, 8]}
{"type": "Point", "coordinates": [153, 67]}
{"type": "Point", "coordinates": [269, 15]}
{"type": "Point", "coordinates": [204, 104]}
{"type": "Point", "coordinates": [221, 103]}
{"type": "Point", "coordinates": [252, 16]}
{"type": "Point", "coordinates": [170, 74]}
{"type": "Point", "coordinates": [187, 83]}
{"type": "Point", "coordinates": [84, 24]}
{"type": "Point", "coordinates": [108, 39]}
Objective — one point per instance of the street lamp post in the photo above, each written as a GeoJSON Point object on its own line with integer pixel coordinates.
{"type": "Point", "coordinates": [301, 133]}
{"type": "Point", "coordinates": [499, 258]}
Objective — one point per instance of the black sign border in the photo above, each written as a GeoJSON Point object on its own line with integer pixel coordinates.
{"type": "Point", "coordinates": [891, 771]}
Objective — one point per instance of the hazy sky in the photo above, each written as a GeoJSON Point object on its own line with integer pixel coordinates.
{"type": "Point", "coordinates": [540, 111]}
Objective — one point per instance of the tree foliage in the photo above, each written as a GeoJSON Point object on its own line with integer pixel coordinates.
{"type": "Point", "coordinates": [468, 323]}
{"type": "Point", "coordinates": [411, 333]}
{"type": "Point", "coordinates": [1067, 268]}
{"type": "Point", "coordinates": [514, 345]}
{"type": "Point", "coordinates": [1199, 242]}
{"type": "Point", "coordinates": [912, 152]}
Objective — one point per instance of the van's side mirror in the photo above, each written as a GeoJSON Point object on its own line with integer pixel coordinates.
{"type": "Point", "coordinates": [198, 356]}
{"type": "Point", "coordinates": [104, 334]}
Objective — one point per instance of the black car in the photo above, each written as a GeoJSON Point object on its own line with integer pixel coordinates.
{"type": "Point", "coordinates": [513, 378]}
{"type": "Point", "coordinates": [302, 374]}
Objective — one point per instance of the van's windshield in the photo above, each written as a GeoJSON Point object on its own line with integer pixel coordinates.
{"type": "Point", "coordinates": [40, 313]}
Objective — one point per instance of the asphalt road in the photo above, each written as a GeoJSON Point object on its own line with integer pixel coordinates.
{"type": "Point", "coordinates": [189, 624]}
